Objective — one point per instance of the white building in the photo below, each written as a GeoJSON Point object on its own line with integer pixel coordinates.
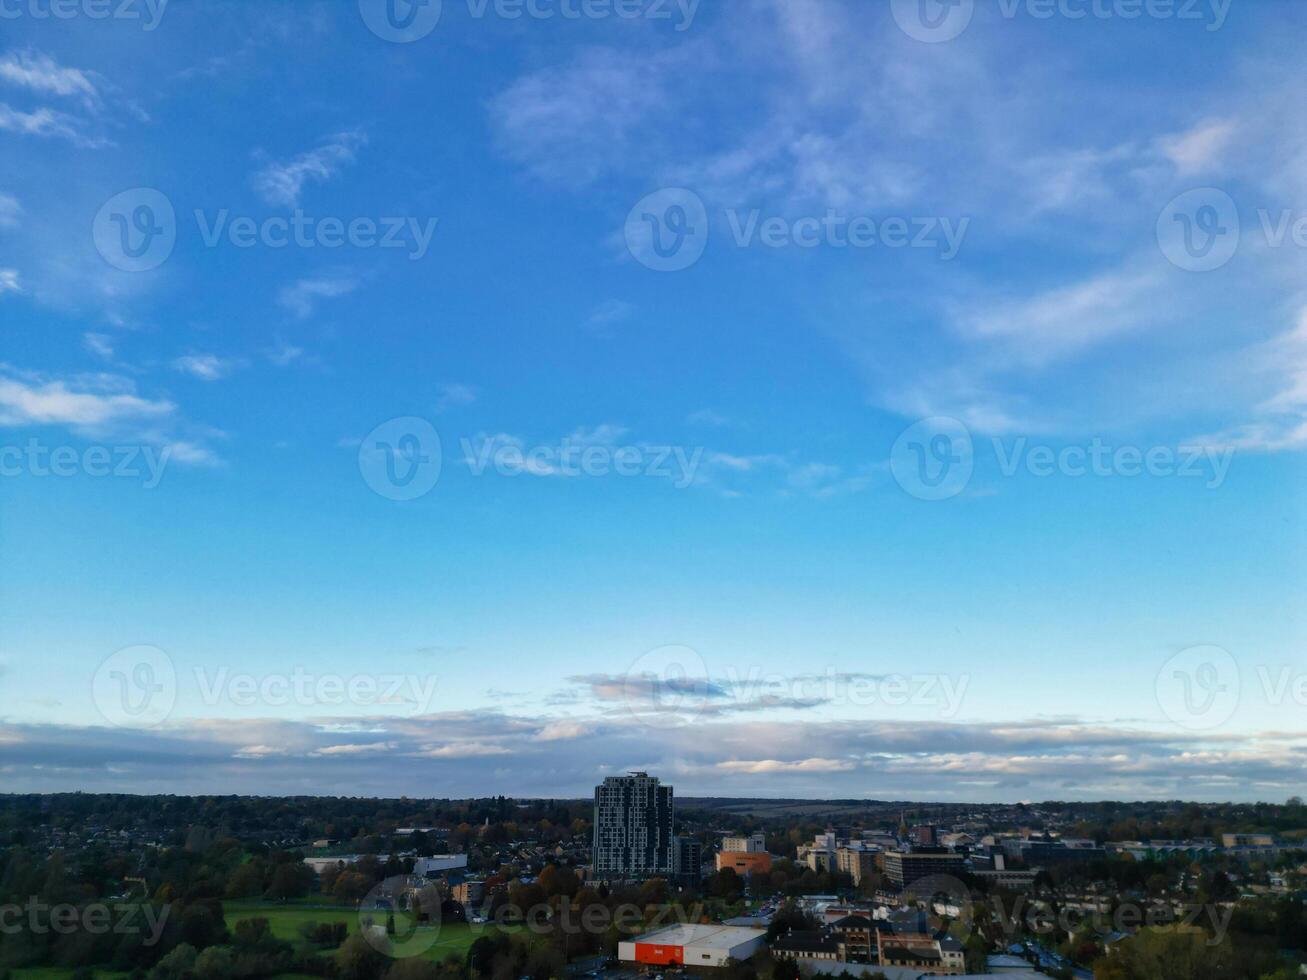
{"type": "Point", "coordinates": [439, 863]}
{"type": "Point", "coordinates": [693, 945]}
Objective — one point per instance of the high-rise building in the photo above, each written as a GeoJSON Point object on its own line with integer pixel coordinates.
{"type": "Point", "coordinates": [689, 859]}
{"type": "Point", "coordinates": [633, 828]}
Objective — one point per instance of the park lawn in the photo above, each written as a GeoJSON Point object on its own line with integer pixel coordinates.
{"type": "Point", "coordinates": [285, 921]}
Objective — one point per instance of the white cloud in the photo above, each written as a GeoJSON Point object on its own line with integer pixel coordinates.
{"type": "Point", "coordinates": [9, 281]}
{"type": "Point", "coordinates": [281, 183]}
{"type": "Point", "coordinates": [100, 406]}
{"type": "Point", "coordinates": [1279, 423]}
{"type": "Point", "coordinates": [302, 297]}
{"type": "Point", "coordinates": [1199, 148]}
{"type": "Point", "coordinates": [557, 731]}
{"type": "Point", "coordinates": [465, 750]}
{"type": "Point", "coordinates": [101, 345]}
{"type": "Point", "coordinates": [10, 210]}
{"type": "Point", "coordinates": [776, 766]}
{"type": "Point", "coordinates": [455, 394]}
{"type": "Point", "coordinates": [259, 751]}
{"type": "Point", "coordinates": [359, 748]}
{"type": "Point", "coordinates": [1067, 318]}
{"type": "Point", "coordinates": [193, 454]}
{"type": "Point", "coordinates": [284, 353]}
{"type": "Point", "coordinates": [43, 122]}
{"type": "Point", "coordinates": [206, 367]}
{"type": "Point", "coordinates": [576, 122]}
{"type": "Point", "coordinates": [24, 401]}
{"type": "Point", "coordinates": [40, 73]}
{"type": "Point", "coordinates": [608, 313]}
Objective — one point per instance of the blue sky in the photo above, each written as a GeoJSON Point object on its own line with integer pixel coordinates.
{"type": "Point", "coordinates": [680, 520]}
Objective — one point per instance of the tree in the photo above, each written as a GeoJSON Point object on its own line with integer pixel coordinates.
{"type": "Point", "coordinates": [413, 969]}
{"type": "Point", "coordinates": [214, 963]}
{"type": "Point", "coordinates": [290, 880]}
{"type": "Point", "coordinates": [1181, 954]}
{"type": "Point", "coordinates": [176, 964]}
{"type": "Point", "coordinates": [357, 960]}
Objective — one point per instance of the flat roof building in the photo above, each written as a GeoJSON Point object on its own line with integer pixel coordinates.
{"type": "Point", "coordinates": [904, 868]}
{"type": "Point", "coordinates": [693, 945]}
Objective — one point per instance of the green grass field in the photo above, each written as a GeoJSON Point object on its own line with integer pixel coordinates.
{"type": "Point", "coordinates": [285, 922]}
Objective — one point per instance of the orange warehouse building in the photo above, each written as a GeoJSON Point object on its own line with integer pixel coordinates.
{"type": "Point", "coordinates": [693, 945]}
{"type": "Point", "coordinates": [744, 862]}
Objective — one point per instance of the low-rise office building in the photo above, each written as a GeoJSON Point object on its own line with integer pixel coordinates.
{"type": "Point", "coordinates": [904, 868]}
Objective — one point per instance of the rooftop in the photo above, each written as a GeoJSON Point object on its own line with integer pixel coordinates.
{"type": "Point", "coordinates": [709, 936]}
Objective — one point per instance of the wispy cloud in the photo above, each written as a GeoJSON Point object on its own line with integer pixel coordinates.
{"type": "Point", "coordinates": [44, 122]}
{"type": "Point", "coordinates": [40, 73]}
{"type": "Point", "coordinates": [282, 183]}
{"type": "Point", "coordinates": [10, 211]}
{"type": "Point", "coordinates": [99, 344]}
{"type": "Point", "coordinates": [454, 394]}
{"type": "Point", "coordinates": [1278, 423]}
{"type": "Point", "coordinates": [706, 416]}
{"type": "Point", "coordinates": [608, 314]}
{"type": "Point", "coordinates": [9, 281]}
{"type": "Point", "coordinates": [303, 296]}
{"type": "Point", "coordinates": [1067, 318]}
{"type": "Point", "coordinates": [42, 79]}
{"type": "Point", "coordinates": [206, 367]}
{"type": "Point", "coordinates": [1199, 148]}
